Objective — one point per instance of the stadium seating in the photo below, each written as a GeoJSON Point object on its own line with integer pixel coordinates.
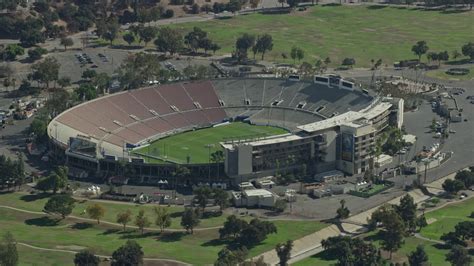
{"type": "Point", "coordinates": [149, 113]}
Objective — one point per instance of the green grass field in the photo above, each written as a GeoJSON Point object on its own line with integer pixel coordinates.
{"type": "Point", "coordinates": [361, 32]}
{"type": "Point", "coordinates": [441, 74]}
{"type": "Point", "coordinates": [194, 143]}
{"type": "Point", "coordinates": [36, 203]}
{"type": "Point", "coordinates": [201, 248]}
{"type": "Point", "coordinates": [446, 219]}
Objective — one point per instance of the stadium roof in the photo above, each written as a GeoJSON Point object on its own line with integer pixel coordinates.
{"type": "Point", "coordinates": [350, 118]}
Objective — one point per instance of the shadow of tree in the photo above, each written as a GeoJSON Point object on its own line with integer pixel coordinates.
{"type": "Point", "coordinates": [138, 235]}
{"type": "Point", "coordinates": [111, 231]}
{"type": "Point", "coordinates": [176, 214]}
{"type": "Point", "coordinates": [81, 226]}
{"type": "Point", "coordinates": [375, 237]}
{"type": "Point", "coordinates": [171, 236]}
{"type": "Point", "coordinates": [34, 197]}
{"type": "Point", "coordinates": [42, 221]}
{"type": "Point", "coordinates": [216, 242]}
{"type": "Point", "coordinates": [376, 7]}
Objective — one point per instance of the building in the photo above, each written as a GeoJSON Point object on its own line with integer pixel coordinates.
{"type": "Point", "coordinates": [254, 198]}
{"type": "Point", "coordinates": [343, 142]}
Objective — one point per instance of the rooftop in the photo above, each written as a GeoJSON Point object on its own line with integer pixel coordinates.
{"type": "Point", "coordinates": [350, 118]}
{"type": "Point", "coordinates": [258, 193]}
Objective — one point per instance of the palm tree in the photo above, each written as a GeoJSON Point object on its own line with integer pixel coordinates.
{"type": "Point", "coordinates": [217, 157]}
{"type": "Point", "coordinates": [178, 173]}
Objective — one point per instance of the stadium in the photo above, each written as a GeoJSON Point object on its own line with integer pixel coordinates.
{"type": "Point", "coordinates": [261, 125]}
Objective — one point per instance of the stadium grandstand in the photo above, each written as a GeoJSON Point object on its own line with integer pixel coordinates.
{"type": "Point", "coordinates": [96, 136]}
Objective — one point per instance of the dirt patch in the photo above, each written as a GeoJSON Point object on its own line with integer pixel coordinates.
{"type": "Point", "coordinates": [431, 220]}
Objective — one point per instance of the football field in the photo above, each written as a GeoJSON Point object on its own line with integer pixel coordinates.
{"type": "Point", "coordinates": [195, 146]}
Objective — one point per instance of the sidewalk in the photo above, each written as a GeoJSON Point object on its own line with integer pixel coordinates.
{"type": "Point", "coordinates": [311, 244]}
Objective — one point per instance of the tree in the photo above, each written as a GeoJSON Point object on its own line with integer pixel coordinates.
{"type": "Point", "coordinates": [221, 198]}
{"type": "Point", "coordinates": [86, 258]}
{"type": "Point", "coordinates": [12, 51]}
{"type": "Point", "coordinates": [419, 49]}
{"type": "Point", "coordinates": [458, 256]}
{"type": "Point", "coordinates": [293, 3]}
{"type": "Point", "coordinates": [280, 205]}
{"type": "Point", "coordinates": [8, 251]}
{"type": "Point", "coordinates": [217, 157]}
{"type": "Point", "coordinates": [234, 6]}
{"type": "Point", "coordinates": [141, 221]}
{"type": "Point", "coordinates": [393, 235]}
{"type": "Point", "coordinates": [284, 252]}
{"type": "Point", "coordinates": [242, 44]}
{"type": "Point", "coordinates": [256, 232]}
{"type": "Point", "coordinates": [31, 36]}
{"type": "Point", "coordinates": [468, 50]}
{"type": "Point", "coordinates": [282, 2]}
{"type": "Point", "coordinates": [342, 212]}
{"type": "Point", "coordinates": [232, 227]}
{"type": "Point", "coordinates": [407, 211]}
{"type": "Point", "coordinates": [189, 220]}
{"type": "Point", "coordinates": [195, 39]}
{"type": "Point", "coordinates": [263, 44]}
{"type": "Point", "coordinates": [147, 34]}
{"type": "Point", "coordinates": [163, 218]}
{"type": "Point", "coordinates": [453, 186]}
{"type": "Point", "coordinates": [89, 74]}
{"type": "Point", "coordinates": [202, 195]}
{"type": "Point", "coordinates": [467, 177]}
{"type": "Point", "coordinates": [55, 181]}
{"type": "Point", "coordinates": [64, 82]}
{"type": "Point", "coordinates": [65, 41]}
{"type": "Point", "coordinates": [350, 251]}
{"type": "Point", "coordinates": [95, 211]}
{"type": "Point", "coordinates": [138, 68]}
{"type": "Point", "coordinates": [60, 204]}
{"type": "Point", "coordinates": [102, 82]}
{"type": "Point", "coordinates": [421, 221]}
{"type": "Point", "coordinates": [129, 254]}
{"type": "Point", "coordinates": [296, 54]}
{"type": "Point", "coordinates": [169, 40]}
{"type": "Point", "coordinates": [36, 53]}
{"type": "Point", "coordinates": [443, 56]}
{"type": "Point", "coordinates": [46, 71]}
{"type": "Point", "coordinates": [86, 92]}
{"type": "Point", "coordinates": [348, 62]}
{"type": "Point", "coordinates": [228, 257]}
{"type": "Point", "coordinates": [124, 218]}
{"type": "Point", "coordinates": [108, 29]}
{"type": "Point", "coordinates": [129, 38]}
{"type": "Point", "coordinates": [418, 257]}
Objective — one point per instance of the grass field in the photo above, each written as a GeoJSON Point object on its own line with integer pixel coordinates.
{"type": "Point", "coordinates": [36, 203]}
{"type": "Point", "coordinates": [201, 248]}
{"type": "Point", "coordinates": [194, 143]}
{"type": "Point", "coordinates": [361, 32]}
{"type": "Point", "coordinates": [446, 218]}
{"type": "Point", "coordinates": [441, 74]}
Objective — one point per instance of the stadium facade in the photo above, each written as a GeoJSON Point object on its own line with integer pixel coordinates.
{"type": "Point", "coordinates": [332, 122]}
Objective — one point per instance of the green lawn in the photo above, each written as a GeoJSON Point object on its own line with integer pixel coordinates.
{"type": "Point", "coordinates": [198, 249]}
{"type": "Point", "coordinates": [194, 143]}
{"type": "Point", "coordinates": [33, 257]}
{"type": "Point", "coordinates": [36, 203]}
{"type": "Point", "coordinates": [441, 74]}
{"type": "Point", "coordinates": [361, 32]}
{"type": "Point", "coordinates": [447, 218]}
